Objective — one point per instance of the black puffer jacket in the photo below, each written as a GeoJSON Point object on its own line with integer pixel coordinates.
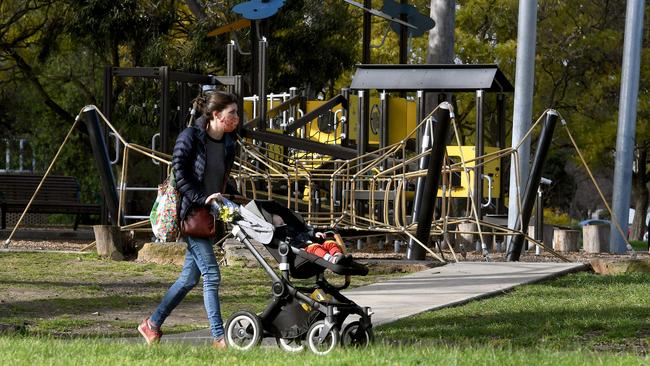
{"type": "Point", "coordinates": [188, 162]}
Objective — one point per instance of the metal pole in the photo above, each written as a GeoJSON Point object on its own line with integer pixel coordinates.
{"type": "Point", "coordinates": [383, 138]}
{"type": "Point", "coordinates": [230, 63]}
{"type": "Point", "coordinates": [184, 105]}
{"type": "Point", "coordinates": [362, 128]}
{"type": "Point", "coordinates": [626, 122]}
{"type": "Point", "coordinates": [364, 103]}
{"type": "Point", "coordinates": [293, 111]}
{"type": "Point", "coordinates": [524, 79]}
{"type": "Point", "coordinates": [345, 128]}
{"type": "Point", "coordinates": [262, 82]}
{"type": "Point", "coordinates": [403, 36]}
{"type": "Point", "coordinates": [164, 117]}
{"type": "Point", "coordinates": [501, 143]}
{"type": "Point", "coordinates": [427, 208]}
{"type": "Point", "coordinates": [237, 89]}
{"type": "Point", "coordinates": [425, 144]}
{"type": "Point", "coordinates": [107, 110]}
{"type": "Point", "coordinates": [367, 28]}
{"type": "Point", "coordinates": [420, 112]}
{"type": "Point", "coordinates": [539, 220]}
{"type": "Point", "coordinates": [479, 149]}
{"type": "Point", "coordinates": [254, 58]}
{"type": "Point", "coordinates": [517, 243]}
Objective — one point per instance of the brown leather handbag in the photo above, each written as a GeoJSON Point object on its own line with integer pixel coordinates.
{"type": "Point", "coordinates": [199, 223]}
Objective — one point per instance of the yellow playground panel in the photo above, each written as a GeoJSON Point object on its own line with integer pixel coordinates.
{"type": "Point", "coordinates": [461, 182]}
{"type": "Point", "coordinates": [401, 119]}
{"type": "Point", "coordinates": [330, 135]}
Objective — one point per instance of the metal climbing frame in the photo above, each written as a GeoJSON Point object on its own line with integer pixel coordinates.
{"type": "Point", "coordinates": [441, 79]}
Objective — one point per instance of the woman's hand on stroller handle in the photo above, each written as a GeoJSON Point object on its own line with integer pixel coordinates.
{"type": "Point", "coordinates": [223, 208]}
{"type": "Point", "coordinates": [228, 199]}
{"type": "Point", "coordinates": [217, 200]}
{"type": "Point", "coordinates": [215, 197]}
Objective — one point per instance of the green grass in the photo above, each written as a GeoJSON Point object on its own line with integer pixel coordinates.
{"type": "Point", "coordinates": [579, 311]}
{"type": "Point", "coordinates": [39, 351]}
{"type": "Point", "coordinates": [579, 319]}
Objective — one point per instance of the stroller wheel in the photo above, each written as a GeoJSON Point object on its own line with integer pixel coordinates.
{"type": "Point", "coordinates": [354, 335]}
{"type": "Point", "coordinates": [290, 344]}
{"type": "Point", "coordinates": [243, 330]}
{"type": "Point", "coordinates": [330, 340]}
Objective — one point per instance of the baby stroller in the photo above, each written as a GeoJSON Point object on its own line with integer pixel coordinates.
{"type": "Point", "coordinates": [296, 316]}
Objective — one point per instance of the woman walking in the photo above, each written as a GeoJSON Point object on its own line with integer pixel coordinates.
{"type": "Point", "coordinates": [202, 158]}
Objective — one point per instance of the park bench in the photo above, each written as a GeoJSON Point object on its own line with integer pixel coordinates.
{"type": "Point", "coordinates": [59, 194]}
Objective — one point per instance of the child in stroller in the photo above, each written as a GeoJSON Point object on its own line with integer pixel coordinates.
{"type": "Point", "coordinates": [326, 245]}
{"type": "Point", "coordinates": [296, 316]}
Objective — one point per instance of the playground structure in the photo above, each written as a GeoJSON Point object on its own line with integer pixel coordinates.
{"type": "Point", "coordinates": [355, 191]}
{"type": "Point", "coordinates": [341, 162]}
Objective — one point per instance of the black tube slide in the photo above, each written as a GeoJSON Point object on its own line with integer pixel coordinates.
{"type": "Point", "coordinates": [100, 153]}
{"type": "Point", "coordinates": [544, 143]}
{"type": "Point", "coordinates": [432, 180]}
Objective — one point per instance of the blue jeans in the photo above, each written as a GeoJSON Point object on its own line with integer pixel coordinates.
{"type": "Point", "coordinates": [199, 261]}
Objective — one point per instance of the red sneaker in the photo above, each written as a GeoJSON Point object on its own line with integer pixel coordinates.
{"type": "Point", "coordinates": [150, 333]}
{"type": "Point", "coordinates": [219, 343]}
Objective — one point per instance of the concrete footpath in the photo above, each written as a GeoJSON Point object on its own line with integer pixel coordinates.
{"type": "Point", "coordinates": [449, 285]}
{"type": "Point", "coordinates": [435, 288]}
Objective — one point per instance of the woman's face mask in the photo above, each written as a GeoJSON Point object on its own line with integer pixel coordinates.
{"type": "Point", "coordinates": [229, 118]}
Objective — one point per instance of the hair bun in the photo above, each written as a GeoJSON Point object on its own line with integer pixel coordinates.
{"type": "Point", "coordinates": [199, 104]}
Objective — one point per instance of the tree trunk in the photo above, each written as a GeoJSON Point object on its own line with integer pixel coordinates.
{"type": "Point", "coordinates": [441, 40]}
{"type": "Point", "coordinates": [640, 211]}
{"type": "Point", "coordinates": [640, 196]}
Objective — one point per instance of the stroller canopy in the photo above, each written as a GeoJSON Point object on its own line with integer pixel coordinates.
{"type": "Point", "coordinates": [254, 224]}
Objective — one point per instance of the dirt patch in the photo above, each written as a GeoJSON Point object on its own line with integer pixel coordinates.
{"type": "Point", "coordinates": [48, 245]}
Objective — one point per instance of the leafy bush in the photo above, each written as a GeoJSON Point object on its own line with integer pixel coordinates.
{"type": "Point", "coordinates": [555, 217]}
